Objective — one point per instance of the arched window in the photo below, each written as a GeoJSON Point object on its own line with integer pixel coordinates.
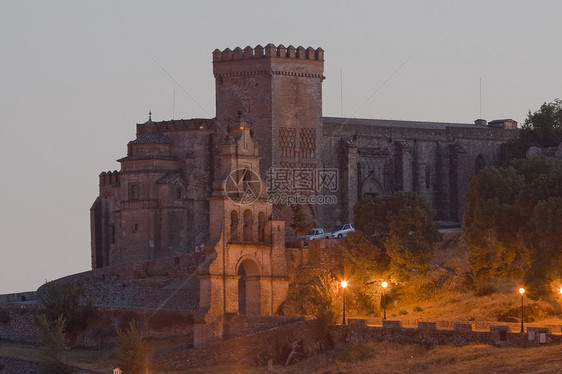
{"type": "Point", "coordinates": [234, 225]}
{"type": "Point", "coordinates": [371, 188]}
{"type": "Point", "coordinates": [479, 164]}
{"type": "Point", "coordinates": [261, 227]}
{"type": "Point", "coordinates": [427, 177]}
{"type": "Point", "coordinates": [248, 225]}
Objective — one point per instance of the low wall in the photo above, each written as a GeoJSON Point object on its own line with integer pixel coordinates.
{"type": "Point", "coordinates": [239, 325]}
{"type": "Point", "coordinates": [274, 344]}
{"type": "Point", "coordinates": [18, 297]}
{"type": "Point", "coordinates": [430, 333]}
{"type": "Point", "coordinates": [19, 325]}
{"type": "Point", "coordinates": [153, 324]}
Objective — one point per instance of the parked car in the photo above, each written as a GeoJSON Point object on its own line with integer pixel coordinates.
{"type": "Point", "coordinates": [342, 233]}
{"type": "Point", "coordinates": [316, 233]}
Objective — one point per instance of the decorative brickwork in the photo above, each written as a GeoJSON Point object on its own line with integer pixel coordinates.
{"type": "Point", "coordinates": [287, 141]}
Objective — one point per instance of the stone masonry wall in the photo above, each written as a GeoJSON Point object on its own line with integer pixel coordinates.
{"type": "Point", "coordinates": [20, 325]}
{"type": "Point", "coordinates": [169, 283]}
{"type": "Point", "coordinates": [154, 324]}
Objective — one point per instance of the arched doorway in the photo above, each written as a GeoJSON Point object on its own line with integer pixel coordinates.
{"type": "Point", "coordinates": [248, 288]}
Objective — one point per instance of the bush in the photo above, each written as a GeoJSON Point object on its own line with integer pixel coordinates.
{"type": "Point", "coordinates": [130, 350]}
{"type": "Point", "coordinates": [326, 295]}
{"type": "Point", "coordinates": [52, 340]}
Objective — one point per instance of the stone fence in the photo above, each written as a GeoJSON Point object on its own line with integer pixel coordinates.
{"type": "Point", "coordinates": [18, 297]}
{"type": "Point", "coordinates": [432, 333]}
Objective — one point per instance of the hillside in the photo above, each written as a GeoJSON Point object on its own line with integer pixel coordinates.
{"type": "Point", "coordinates": [439, 294]}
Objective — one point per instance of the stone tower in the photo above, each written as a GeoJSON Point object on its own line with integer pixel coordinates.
{"type": "Point", "coordinates": [141, 213]}
{"type": "Point", "coordinates": [278, 92]}
{"type": "Point", "coordinates": [245, 270]}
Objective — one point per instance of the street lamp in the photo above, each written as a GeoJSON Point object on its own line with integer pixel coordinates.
{"type": "Point", "coordinates": [343, 286]}
{"type": "Point", "coordinates": [384, 285]}
{"type": "Point", "coordinates": [522, 291]}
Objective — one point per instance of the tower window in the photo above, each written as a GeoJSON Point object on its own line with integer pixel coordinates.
{"type": "Point", "coordinates": [178, 193]}
{"type": "Point", "coordinates": [133, 192]}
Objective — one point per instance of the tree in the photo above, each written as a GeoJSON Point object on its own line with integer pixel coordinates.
{"type": "Point", "coordinates": [300, 223]}
{"type": "Point", "coordinates": [542, 128]}
{"type": "Point", "coordinates": [327, 295]}
{"type": "Point", "coordinates": [491, 226]}
{"type": "Point", "coordinates": [400, 227]}
{"type": "Point", "coordinates": [130, 350]}
{"type": "Point", "coordinates": [67, 299]}
{"type": "Point", "coordinates": [52, 340]}
{"type": "Point", "coordinates": [512, 223]}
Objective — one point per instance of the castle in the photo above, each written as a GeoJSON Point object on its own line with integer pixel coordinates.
{"type": "Point", "coordinates": [158, 205]}
{"type": "Point", "coordinates": [214, 194]}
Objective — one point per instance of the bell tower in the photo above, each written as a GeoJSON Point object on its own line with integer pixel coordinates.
{"type": "Point", "coordinates": [278, 91]}
{"type": "Point", "coordinates": [245, 270]}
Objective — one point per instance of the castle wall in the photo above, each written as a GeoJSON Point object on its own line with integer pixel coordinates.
{"type": "Point", "coordinates": [436, 162]}
{"type": "Point", "coordinates": [169, 283]}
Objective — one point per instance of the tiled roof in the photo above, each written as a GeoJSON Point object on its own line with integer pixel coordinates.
{"type": "Point", "coordinates": [152, 138]}
{"type": "Point", "coordinates": [147, 157]}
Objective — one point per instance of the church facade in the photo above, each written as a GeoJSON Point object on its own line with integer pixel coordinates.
{"type": "Point", "coordinates": [163, 200]}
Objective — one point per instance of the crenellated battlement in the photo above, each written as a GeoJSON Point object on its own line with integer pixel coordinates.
{"type": "Point", "coordinates": [269, 51]}
{"type": "Point", "coordinates": [109, 178]}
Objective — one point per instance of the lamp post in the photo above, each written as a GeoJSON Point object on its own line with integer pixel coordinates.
{"type": "Point", "coordinates": [343, 286]}
{"type": "Point", "coordinates": [384, 284]}
{"type": "Point", "coordinates": [522, 291]}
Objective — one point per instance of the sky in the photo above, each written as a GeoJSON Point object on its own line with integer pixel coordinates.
{"type": "Point", "coordinates": [76, 76]}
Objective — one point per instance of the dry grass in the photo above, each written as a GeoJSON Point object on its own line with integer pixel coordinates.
{"type": "Point", "coordinates": [440, 294]}
{"type": "Point", "coordinates": [389, 358]}
{"type": "Point", "coordinates": [365, 358]}
{"type": "Point", "coordinates": [88, 359]}
{"type": "Point", "coordinates": [394, 358]}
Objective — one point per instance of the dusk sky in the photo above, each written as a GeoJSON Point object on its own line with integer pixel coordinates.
{"type": "Point", "coordinates": [76, 76]}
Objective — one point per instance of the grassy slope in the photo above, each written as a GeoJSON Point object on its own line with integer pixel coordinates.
{"type": "Point", "coordinates": [441, 295]}
{"type": "Point", "coordinates": [371, 358]}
